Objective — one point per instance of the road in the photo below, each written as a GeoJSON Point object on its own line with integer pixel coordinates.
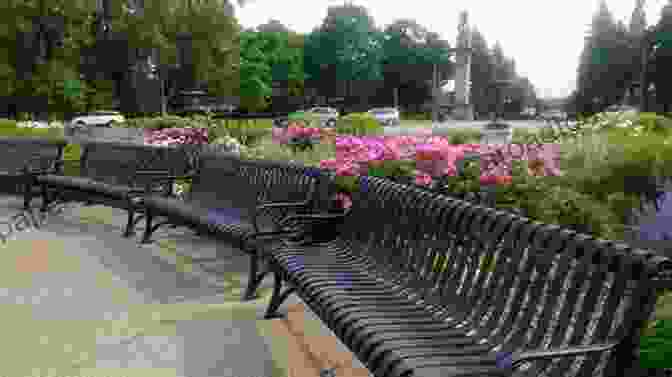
{"type": "Point", "coordinates": [440, 129]}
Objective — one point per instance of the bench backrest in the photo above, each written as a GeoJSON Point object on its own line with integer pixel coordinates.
{"type": "Point", "coordinates": [117, 163]}
{"type": "Point", "coordinates": [37, 153]}
{"type": "Point", "coordinates": [546, 286]}
{"type": "Point", "coordinates": [224, 180]}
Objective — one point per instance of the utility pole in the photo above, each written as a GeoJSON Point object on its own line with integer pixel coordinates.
{"type": "Point", "coordinates": [644, 82]}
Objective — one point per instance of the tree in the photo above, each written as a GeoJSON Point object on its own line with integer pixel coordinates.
{"type": "Point", "coordinates": [273, 26]}
{"type": "Point", "coordinates": [255, 72]}
{"type": "Point", "coordinates": [663, 60]}
{"type": "Point", "coordinates": [271, 58]}
{"type": "Point", "coordinates": [606, 64]}
{"type": "Point", "coordinates": [482, 71]}
{"type": "Point", "coordinates": [347, 47]}
{"type": "Point", "coordinates": [49, 64]}
{"type": "Point", "coordinates": [409, 53]}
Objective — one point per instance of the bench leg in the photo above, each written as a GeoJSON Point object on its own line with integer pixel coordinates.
{"type": "Point", "coordinates": [278, 297]}
{"type": "Point", "coordinates": [256, 277]}
{"type": "Point", "coordinates": [45, 198]}
{"type": "Point", "coordinates": [147, 235]}
{"type": "Point", "coordinates": [130, 224]}
{"type": "Point", "coordinates": [28, 194]}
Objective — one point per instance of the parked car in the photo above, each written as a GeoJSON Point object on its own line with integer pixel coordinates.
{"type": "Point", "coordinates": [387, 116]}
{"type": "Point", "coordinates": [554, 115]}
{"type": "Point", "coordinates": [621, 109]}
{"type": "Point", "coordinates": [97, 118]}
{"type": "Point", "coordinates": [327, 115]}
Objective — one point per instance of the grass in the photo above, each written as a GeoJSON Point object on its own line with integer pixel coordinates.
{"type": "Point", "coordinates": [408, 123]}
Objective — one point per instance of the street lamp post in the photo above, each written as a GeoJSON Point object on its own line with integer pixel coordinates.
{"type": "Point", "coordinates": [436, 90]}
{"type": "Point", "coordinates": [647, 46]}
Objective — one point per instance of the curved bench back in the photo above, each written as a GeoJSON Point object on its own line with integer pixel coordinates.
{"type": "Point", "coordinates": [224, 180]}
{"type": "Point", "coordinates": [117, 163]}
{"type": "Point", "coordinates": [17, 153]}
{"type": "Point", "coordinates": [521, 284]}
{"type": "Point", "coordinates": [37, 153]}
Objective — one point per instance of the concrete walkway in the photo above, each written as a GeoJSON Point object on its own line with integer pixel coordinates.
{"type": "Point", "coordinates": [80, 300]}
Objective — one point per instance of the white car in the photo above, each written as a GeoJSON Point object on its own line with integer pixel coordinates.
{"type": "Point", "coordinates": [621, 109]}
{"type": "Point", "coordinates": [387, 116]}
{"type": "Point", "coordinates": [97, 118]}
{"type": "Point", "coordinates": [554, 115]}
{"type": "Point", "coordinates": [327, 116]}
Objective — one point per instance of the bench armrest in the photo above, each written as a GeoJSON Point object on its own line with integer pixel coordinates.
{"type": "Point", "coordinates": [300, 221]}
{"type": "Point", "coordinates": [518, 358]}
{"type": "Point", "coordinates": [277, 212]}
{"type": "Point", "coordinates": [274, 234]}
{"type": "Point", "coordinates": [163, 175]}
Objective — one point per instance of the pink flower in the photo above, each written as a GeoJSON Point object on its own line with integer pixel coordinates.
{"type": "Point", "coordinates": [331, 163]}
{"type": "Point", "coordinates": [503, 179]}
{"type": "Point", "coordinates": [343, 200]}
{"type": "Point", "coordinates": [348, 170]}
{"type": "Point", "coordinates": [488, 180]}
{"type": "Point", "coordinates": [423, 179]}
{"type": "Point", "coordinates": [449, 171]}
{"type": "Point", "coordinates": [427, 152]}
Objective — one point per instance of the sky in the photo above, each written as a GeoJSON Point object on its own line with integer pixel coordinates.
{"type": "Point", "coordinates": [544, 37]}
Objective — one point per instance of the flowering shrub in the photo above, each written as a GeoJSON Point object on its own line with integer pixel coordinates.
{"type": "Point", "coordinates": [496, 159]}
{"type": "Point", "coordinates": [433, 162]}
{"type": "Point", "coordinates": [171, 136]}
{"type": "Point", "coordinates": [297, 138]}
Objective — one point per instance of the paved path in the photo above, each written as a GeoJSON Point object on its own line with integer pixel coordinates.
{"type": "Point", "coordinates": [443, 128]}
{"type": "Point", "coordinates": [80, 300]}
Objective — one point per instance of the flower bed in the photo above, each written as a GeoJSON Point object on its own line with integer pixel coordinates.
{"type": "Point", "coordinates": [566, 176]}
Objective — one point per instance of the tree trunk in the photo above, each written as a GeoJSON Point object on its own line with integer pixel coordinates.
{"type": "Point", "coordinates": [395, 93]}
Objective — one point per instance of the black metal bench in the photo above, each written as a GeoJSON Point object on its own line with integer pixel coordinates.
{"type": "Point", "coordinates": [112, 174]}
{"type": "Point", "coordinates": [405, 285]}
{"type": "Point", "coordinates": [239, 201]}
{"type": "Point", "coordinates": [22, 158]}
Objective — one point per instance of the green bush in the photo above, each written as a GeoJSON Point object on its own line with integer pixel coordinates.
{"type": "Point", "coordinates": [7, 123]}
{"type": "Point", "coordinates": [522, 135]}
{"type": "Point", "coordinates": [464, 136]}
{"type": "Point", "coordinates": [657, 124]}
{"type": "Point", "coordinates": [416, 116]}
{"type": "Point", "coordinates": [31, 132]}
{"type": "Point", "coordinates": [71, 157]}
{"type": "Point", "coordinates": [358, 124]}
{"type": "Point", "coordinates": [304, 118]}
{"type": "Point", "coordinates": [248, 132]}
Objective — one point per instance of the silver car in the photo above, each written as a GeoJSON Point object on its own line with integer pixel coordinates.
{"type": "Point", "coordinates": [98, 118]}
{"type": "Point", "coordinates": [327, 116]}
{"type": "Point", "coordinates": [387, 116]}
{"type": "Point", "coordinates": [621, 109]}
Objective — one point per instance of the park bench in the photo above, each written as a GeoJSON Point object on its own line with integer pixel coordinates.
{"type": "Point", "coordinates": [111, 174]}
{"type": "Point", "coordinates": [420, 284]}
{"type": "Point", "coordinates": [233, 199]}
{"type": "Point", "coordinates": [22, 158]}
